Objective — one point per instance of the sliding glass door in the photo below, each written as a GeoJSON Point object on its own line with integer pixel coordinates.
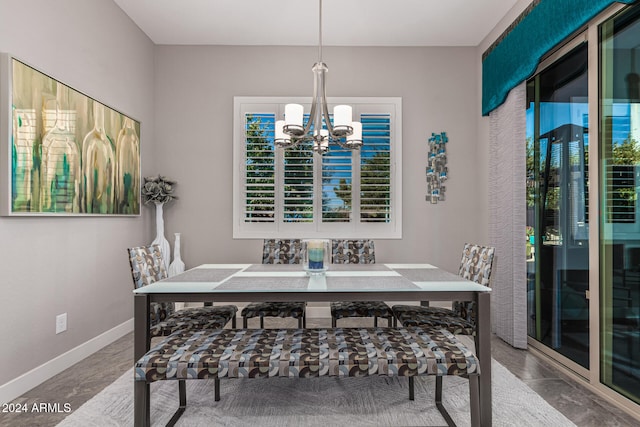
{"type": "Point", "coordinates": [557, 202]}
{"type": "Point", "coordinates": [619, 206]}
{"type": "Point", "coordinates": [587, 316]}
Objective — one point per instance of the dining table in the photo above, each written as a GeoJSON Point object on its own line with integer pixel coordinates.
{"type": "Point", "coordinates": [341, 282]}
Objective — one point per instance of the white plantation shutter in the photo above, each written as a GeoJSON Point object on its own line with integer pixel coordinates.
{"type": "Point", "coordinates": [298, 183]}
{"type": "Point", "coordinates": [294, 192]}
{"type": "Point", "coordinates": [375, 168]}
{"type": "Point", "coordinates": [337, 171]}
{"type": "Point", "coordinates": [259, 173]}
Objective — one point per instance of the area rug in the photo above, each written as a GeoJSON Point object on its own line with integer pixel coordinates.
{"type": "Point", "coordinates": [326, 401]}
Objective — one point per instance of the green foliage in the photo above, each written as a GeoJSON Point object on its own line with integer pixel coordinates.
{"type": "Point", "coordinates": [626, 153]}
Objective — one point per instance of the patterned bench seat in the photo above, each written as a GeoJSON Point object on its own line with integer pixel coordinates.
{"type": "Point", "coordinates": [340, 352]}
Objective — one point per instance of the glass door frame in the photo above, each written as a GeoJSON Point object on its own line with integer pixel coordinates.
{"type": "Point", "coordinates": [549, 60]}
{"type": "Point", "coordinates": [590, 377]}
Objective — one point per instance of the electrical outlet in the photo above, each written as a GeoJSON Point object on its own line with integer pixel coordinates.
{"type": "Point", "coordinates": [61, 323]}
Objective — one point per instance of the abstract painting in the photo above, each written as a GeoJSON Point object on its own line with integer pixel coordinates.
{"type": "Point", "coordinates": [66, 153]}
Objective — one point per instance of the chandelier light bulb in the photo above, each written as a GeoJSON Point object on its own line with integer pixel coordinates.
{"type": "Point", "coordinates": [293, 115]}
{"type": "Point", "coordinates": [355, 139]}
{"type": "Point", "coordinates": [342, 119]}
{"type": "Point", "coordinates": [281, 138]}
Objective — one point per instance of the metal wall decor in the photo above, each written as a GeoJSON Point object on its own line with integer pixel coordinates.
{"type": "Point", "coordinates": [437, 167]}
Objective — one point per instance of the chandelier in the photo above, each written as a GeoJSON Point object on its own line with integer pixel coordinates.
{"type": "Point", "coordinates": [343, 131]}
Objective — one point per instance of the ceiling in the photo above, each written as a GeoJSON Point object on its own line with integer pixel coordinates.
{"type": "Point", "coordinates": [295, 22]}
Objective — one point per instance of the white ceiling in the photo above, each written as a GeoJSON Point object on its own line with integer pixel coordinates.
{"type": "Point", "coordinates": [295, 22]}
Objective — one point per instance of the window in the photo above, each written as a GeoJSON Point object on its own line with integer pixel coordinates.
{"type": "Point", "coordinates": [295, 192]}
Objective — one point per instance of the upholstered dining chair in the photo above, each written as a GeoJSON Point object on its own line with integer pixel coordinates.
{"type": "Point", "coordinates": [147, 267]}
{"type": "Point", "coordinates": [476, 265]}
{"type": "Point", "coordinates": [278, 251]}
{"type": "Point", "coordinates": [357, 252]}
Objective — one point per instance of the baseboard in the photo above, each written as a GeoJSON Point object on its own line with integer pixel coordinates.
{"type": "Point", "coordinates": [40, 374]}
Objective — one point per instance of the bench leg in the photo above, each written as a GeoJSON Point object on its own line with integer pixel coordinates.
{"type": "Point", "coordinates": [439, 404]}
{"type": "Point", "coordinates": [474, 400]}
{"type": "Point", "coordinates": [182, 393]}
{"type": "Point", "coordinates": [141, 404]}
{"type": "Point", "coordinates": [411, 389]}
{"type": "Point", "coordinates": [217, 390]}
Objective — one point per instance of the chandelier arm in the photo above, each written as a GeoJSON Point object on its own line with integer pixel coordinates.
{"type": "Point", "coordinates": [312, 113]}
{"type": "Point", "coordinates": [325, 107]}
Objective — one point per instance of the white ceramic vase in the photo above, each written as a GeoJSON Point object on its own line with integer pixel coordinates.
{"type": "Point", "coordinates": [160, 240]}
{"type": "Point", "coordinates": [177, 266]}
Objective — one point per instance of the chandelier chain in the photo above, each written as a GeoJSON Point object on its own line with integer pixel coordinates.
{"type": "Point", "coordinates": [320, 33]}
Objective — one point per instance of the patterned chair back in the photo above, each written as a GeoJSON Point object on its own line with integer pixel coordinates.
{"type": "Point", "coordinates": [353, 252]}
{"type": "Point", "coordinates": [147, 267]}
{"type": "Point", "coordinates": [476, 265]}
{"type": "Point", "coordinates": [282, 251]}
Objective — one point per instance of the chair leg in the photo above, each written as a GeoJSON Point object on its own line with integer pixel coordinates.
{"type": "Point", "coordinates": [304, 319]}
{"type": "Point", "coordinates": [233, 322]}
{"type": "Point", "coordinates": [141, 404]}
{"type": "Point", "coordinates": [244, 322]}
{"type": "Point", "coordinates": [333, 322]}
{"type": "Point", "coordinates": [474, 399]}
{"type": "Point", "coordinates": [261, 322]}
{"type": "Point", "coordinates": [411, 389]}
{"type": "Point", "coordinates": [389, 320]}
{"type": "Point", "coordinates": [216, 392]}
{"type": "Point", "coordinates": [375, 321]}
{"type": "Point", "coordinates": [300, 320]}
{"type": "Point", "coordinates": [182, 393]}
{"type": "Point", "coordinates": [439, 404]}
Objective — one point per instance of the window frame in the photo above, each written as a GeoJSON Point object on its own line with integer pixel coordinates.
{"type": "Point", "coordinates": [317, 228]}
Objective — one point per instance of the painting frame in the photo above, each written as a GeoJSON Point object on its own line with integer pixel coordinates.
{"type": "Point", "coordinates": [63, 152]}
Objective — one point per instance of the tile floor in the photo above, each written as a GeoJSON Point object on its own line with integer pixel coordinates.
{"type": "Point", "coordinates": [82, 381]}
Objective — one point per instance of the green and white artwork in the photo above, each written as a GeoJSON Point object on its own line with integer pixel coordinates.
{"type": "Point", "coordinates": [69, 154]}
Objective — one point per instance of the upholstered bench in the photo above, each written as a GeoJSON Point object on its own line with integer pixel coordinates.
{"type": "Point", "coordinates": [340, 352]}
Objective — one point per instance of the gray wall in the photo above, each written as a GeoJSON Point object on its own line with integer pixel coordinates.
{"type": "Point", "coordinates": [73, 265]}
{"type": "Point", "coordinates": [195, 87]}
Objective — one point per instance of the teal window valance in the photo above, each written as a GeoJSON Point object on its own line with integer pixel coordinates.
{"type": "Point", "coordinates": [516, 56]}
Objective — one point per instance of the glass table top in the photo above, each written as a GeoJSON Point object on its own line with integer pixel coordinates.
{"type": "Point", "coordinates": [263, 278]}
